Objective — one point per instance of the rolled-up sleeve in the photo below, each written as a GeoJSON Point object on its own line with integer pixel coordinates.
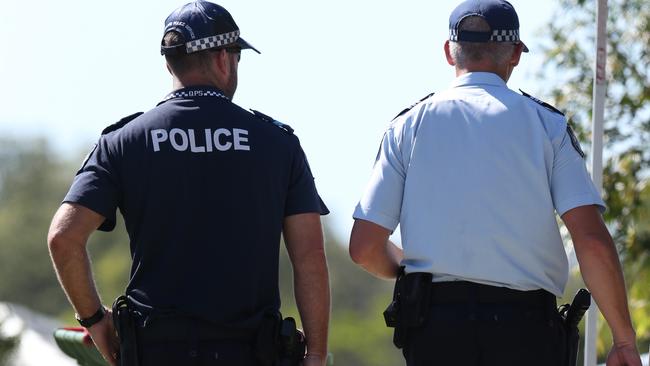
{"type": "Point", "coordinates": [381, 201]}
{"type": "Point", "coordinates": [571, 185]}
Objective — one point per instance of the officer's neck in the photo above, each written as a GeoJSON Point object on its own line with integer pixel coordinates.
{"type": "Point", "coordinates": [200, 77]}
{"type": "Point", "coordinates": [503, 72]}
{"type": "Point", "coordinates": [186, 82]}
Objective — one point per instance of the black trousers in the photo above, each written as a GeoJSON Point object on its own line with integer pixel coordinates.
{"type": "Point", "coordinates": [202, 353]}
{"type": "Point", "coordinates": [476, 325]}
{"type": "Point", "coordinates": [189, 342]}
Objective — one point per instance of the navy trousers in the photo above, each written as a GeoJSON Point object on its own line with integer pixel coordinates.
{"type": "Point", "coordinates": [191, 342]}
{"type": "Point", "coordinates": [202, 353]}
{"type": "Point", "coordinates": [476, 325]}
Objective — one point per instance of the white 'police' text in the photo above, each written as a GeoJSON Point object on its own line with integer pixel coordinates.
{"type": "Point", "coordinates": [222, 139]}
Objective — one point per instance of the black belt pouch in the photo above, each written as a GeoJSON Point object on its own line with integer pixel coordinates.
{"type": "Point", "coordinates": [125, 327]}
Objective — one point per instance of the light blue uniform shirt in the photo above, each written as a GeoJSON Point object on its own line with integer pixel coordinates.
{"type": "Point", "coordinates": [474, 176]}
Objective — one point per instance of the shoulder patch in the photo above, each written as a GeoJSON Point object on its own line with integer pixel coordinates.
{"type": "Point", "coordinates": [413, 105]}
{"type": "Point", "coordinates": [119, 124]}
{"type": "Point", "coordinates": [540, 102]}
{"type": "Point", "coordinates": [574, 141]}
{"type": "Point", "coordinates": [277, 123]}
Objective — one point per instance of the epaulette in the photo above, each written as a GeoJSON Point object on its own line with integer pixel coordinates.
{"type": "Point", "coordinates": [119, 124]}
{"type": "Point", "coordinates": [414, 104]}
{"type": "Point", "coordinates": [268, 119]}
{"type": "Point", "coordinates": [574, 140]}
{"type": "Point", "coordinates": [540, 102]}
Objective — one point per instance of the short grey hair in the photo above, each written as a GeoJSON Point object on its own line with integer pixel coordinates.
{"type": "Point", "coordinates": [464, 53]}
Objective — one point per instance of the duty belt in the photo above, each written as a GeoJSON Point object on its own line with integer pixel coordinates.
{"type": "Point", "coordinates": [182, 328]}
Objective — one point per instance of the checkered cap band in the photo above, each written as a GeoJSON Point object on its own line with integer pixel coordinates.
{"type": "Point", "coordinates": [212, 41]}
{"type": "Point", "coordinates": [453, 35]}
{"type": "Point", "coordinates": [498, 35]}
{"type": "Point", "coordinates": [194, 93]}
{"type": "Point", "coordinates": [510, 35]}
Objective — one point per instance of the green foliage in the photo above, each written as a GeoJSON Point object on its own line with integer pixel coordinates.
{"type": "Point", "coordinates": [31, 187]}
{"type": "Point", "coordinates": [33, 181]}
{"type": "Point", "coordinates": [570, 55]}
{"type": "Point", "coordinates": [7, 346]}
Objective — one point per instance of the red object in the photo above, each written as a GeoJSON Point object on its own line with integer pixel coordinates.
{"type": "Point", "coordinates": [87, 339]}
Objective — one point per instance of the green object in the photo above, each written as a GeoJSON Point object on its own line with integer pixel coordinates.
{"type": "Point", "coordinates": [330, 359]}
{"type": "Point", "coordinates": [76, 343]}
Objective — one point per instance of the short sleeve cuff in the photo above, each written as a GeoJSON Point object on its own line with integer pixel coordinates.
{"type": "Point", "coordinates": [316, 207]}
{"type": "Point", "coordinates": [378, 218]}
{"type": "Point", "coordinates": [585, 200]}
{"type": "Point", "coordinates": [109, 214]}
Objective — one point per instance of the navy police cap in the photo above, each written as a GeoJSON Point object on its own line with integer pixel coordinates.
{"type": "Point", "coordinates": [203, 25]}
{"type": "Point", "coordinates": [499, 14]}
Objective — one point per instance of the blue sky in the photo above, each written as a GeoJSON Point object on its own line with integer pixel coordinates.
{"type": "Point", "coordinates": [336, 71]}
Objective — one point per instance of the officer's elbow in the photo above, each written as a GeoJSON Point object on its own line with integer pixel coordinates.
{"type": "Point", "coordinates": [61, 243]}
{"type": "Point", "coordinates": [366, 239]}
{"type": "Point", "coordinates": [360, 251]}
{"type": "Point", "coordinates": [596, 246]}
{"type": "Point", "coordinates": [56, 242]}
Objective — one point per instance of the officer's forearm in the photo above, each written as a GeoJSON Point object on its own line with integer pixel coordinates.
{"type": "Point", "coordinates": [312, 292]}
{"type": "Point", "coordinates": [303, 236]}
{"type": "Point", "coordinates": [383, 262]}
{"type": "Point", "coordinates": [72, 266]}
{"type": "Point", "coordinates": [602, 273]}
{"type": "Point", "coordinates": [67, 238]}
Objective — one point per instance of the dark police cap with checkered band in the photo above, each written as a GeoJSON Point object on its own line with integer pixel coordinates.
{"type": "Point", "coordinates": [203, 25]}
{"type": "Point", "coordinates": [499, 14]}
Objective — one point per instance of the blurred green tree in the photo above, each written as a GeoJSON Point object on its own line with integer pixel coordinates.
{"type": "Point", "coordinates": [33, 181]}
{"type": "Point", "coordinates": [569, 57]}
{"type": "Point", "coordinates": [31, 187]}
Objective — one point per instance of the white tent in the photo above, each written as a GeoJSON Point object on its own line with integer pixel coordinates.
{"type": "Point", "coordinates": [37, 346]}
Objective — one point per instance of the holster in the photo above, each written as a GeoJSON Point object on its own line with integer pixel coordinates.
{"type": "Point", "coordinates": [409, 308]}
{"type": "Point", "coordinates": [125, 327]}
{"type": "Point", "coordinates": [279, 342]}
{"type": "Point", "coordinates": [571, 316]}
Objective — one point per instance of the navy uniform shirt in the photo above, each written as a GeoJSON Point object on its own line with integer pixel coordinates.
{"type": "Point", "coordinates": [203, 187]}
{"type": "Point", "coordinates": [474, 176]}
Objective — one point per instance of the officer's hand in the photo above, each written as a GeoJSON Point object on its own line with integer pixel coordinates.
{"type": "Point", "coordinates": [314, 360]}
{"type": "Point", "coordinates": [624, 354]}
{"type": "Point", "coordinates": [105, 338]}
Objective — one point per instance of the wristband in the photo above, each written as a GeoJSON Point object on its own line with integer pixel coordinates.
{"type": "Point", "coordinates": [93, 319]}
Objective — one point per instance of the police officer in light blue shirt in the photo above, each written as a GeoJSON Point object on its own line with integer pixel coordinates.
{"type": "Point", "coordinates": [475, 176]}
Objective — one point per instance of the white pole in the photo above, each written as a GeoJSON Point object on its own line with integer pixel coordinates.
{"type": "Point", "coordinates": [600, 87]}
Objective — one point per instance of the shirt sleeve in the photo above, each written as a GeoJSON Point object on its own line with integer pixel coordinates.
{"type": "Point", "coordinates": [571, 185]}
{"type": "Point", "coordinates": [95, 185]}
{"type": "Point", "coordinates": [302, 196]}
{"type": "Point", "coordinates": [381, 202]}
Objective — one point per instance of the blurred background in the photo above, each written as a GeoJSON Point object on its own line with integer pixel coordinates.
{"type": "Point", "coordinates": [337, 72]}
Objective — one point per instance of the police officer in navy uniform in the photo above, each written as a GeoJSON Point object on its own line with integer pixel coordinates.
{"type": "Point", "coordinates": [206, 189]}
{"type": "Point", "coordinates": [475, 176]}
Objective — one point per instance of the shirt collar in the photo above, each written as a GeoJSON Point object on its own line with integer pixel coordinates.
{"type": "Point", "coordinates": [478, 78]}
{"type": "Point", "coordinates": [197, 91]}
